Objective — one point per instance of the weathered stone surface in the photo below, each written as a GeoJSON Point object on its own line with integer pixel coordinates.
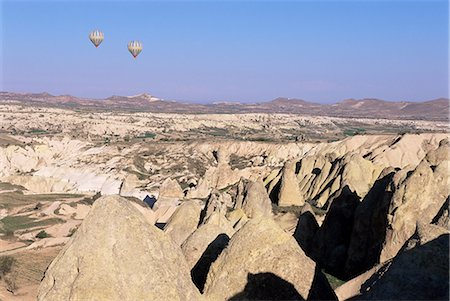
{"type": "Point", "coordinates": [315, 174]}
{"type": "Point", "coordinates": [262, 251]}
{"type": "Point", "coordinates": [289, 190]}
{"type": "Point", "coordinates": [417, 199]}
{"type": "Point", "coordinates": [148, 213]}
{"type": "Point", "coordinates": [286, 221]}
{"type": "Point", "coordinates": [442, 217]}
{"type": "Point", "coordinates": [183, 221]}
{"type": "Point", "coordinates": [218, 177]}
{"type": "Point", "coordinates": [256, 201]}
{"type": "Point", "coordinates": [204, 186]}
{"type": "Point", "coordinates": [369, 227]}
{"type": "Point", "coordinates": [164, 213]}
{"type": "Point", "coordinates": [213, 204]}
{"type": "Point", "coordinates": [237, 218]}
{"type": "Point", "coordinates": [196, 244]}
{"type": "Point", "coordinates": [203, 246]}
{"type": "Point", "coordinates": [117, 255]}
{"type": "Point", "coordinates": [359, 174]}
{"type": "Point", "coordinates": [170, 189]}
{"type": "Point", "coordinates": [419, 272]}
{"type": "Point", "coordinates": [317, 178]}
{"type": "Point", "coordinates": [362, 232]}
{"type": "Point", "coordinates": [440, 154]}
{"type": "Point", "coordinates": [353, 287]}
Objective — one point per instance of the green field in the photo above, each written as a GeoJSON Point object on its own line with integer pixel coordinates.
{"type": "Point", "coordinates": [20, 222]}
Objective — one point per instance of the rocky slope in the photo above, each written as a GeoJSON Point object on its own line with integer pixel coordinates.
{"type": "Point", "coordinates": [231, 220]}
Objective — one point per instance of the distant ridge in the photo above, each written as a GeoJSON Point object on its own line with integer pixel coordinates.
{"type": "Point", "coordinates": [437, 109]}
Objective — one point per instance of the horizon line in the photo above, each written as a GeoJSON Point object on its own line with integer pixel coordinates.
{"type": "Point", "coordinates": [233, 101]}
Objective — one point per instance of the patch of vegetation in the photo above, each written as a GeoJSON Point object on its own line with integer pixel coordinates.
{"type": "Point", "coordinates": [6, 265]}
{"type": "Point", "coordinates": [238, 162]}
{"type": "Point", "coordinates": [11, 284]}
{"type": "Point", "coordinates": [147, 135]}
{"type": "Point", "coordinates": [261, 139]}
{"type": "Point", "coordinates": [42, 234]}
{"type": "Point", "coordinates": [9, 186]}
{"type": "Point", "coordinates": [89, 200]}
{"type": "Point", "coordinates": [287, 209]}
{"type": "Point", "coordinates": [72, 232]}
{"type": "Point", "coordinates": [10, 200]}
{"type": "Point", "coordinates": [333, 281]}
{"type": "Point", "coordinates": [13, 223]}
{"type": "Point", "coordinates": [37, 131]}
{"type": "Point", "coordinates": [354, 131]}
{"type": "Point", "coordinates": [184, 185]}
{"type": "Point", "coordinates": [297, 210]}
{"type": "Point", "coordinates": [318, 211]}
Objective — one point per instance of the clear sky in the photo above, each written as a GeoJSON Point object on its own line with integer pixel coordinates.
{"type": "Point", "coordinates": [205, 51]}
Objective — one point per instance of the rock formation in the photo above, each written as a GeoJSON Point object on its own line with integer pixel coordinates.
{"type": "Point", "coordinates": [289, 190]}
{"type": "Point", "coordinates": [117, 255]}
{"type": "Point", "coordinates": [237, 218]}
{"type": "Point", "coordinates": [418, 272]}
{"type": "Point", "coordinates": [213, 204]}
{"type": "Point", "coordinates": [183, 221]}
{"type": "Point", "coordinates": [170, 190]}
{"type": "Point", "coordinates": [417, 199]}
{"type": "Point", "coordinates": [365, 208]}
{"type": "Point", "coordinates": [205, 244]}
{"type": "Point", "coordinates": [260, 254]}
{"type": "Point", "coordinates": [255, 201]}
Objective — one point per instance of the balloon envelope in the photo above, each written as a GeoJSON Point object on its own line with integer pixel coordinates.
{"type": "Point", "coordinates": [96, 37]}
{"type": "Point", "coordinates": [135, 47]}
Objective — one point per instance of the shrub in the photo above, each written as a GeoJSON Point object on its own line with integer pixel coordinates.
{"type": "Point", "coordinates": [6, 265]}
{"type": "Point", "coordinates": [10, 280]}
{"type": "Point", "coordinates": [42, 234]}
{"type": "Point", "coordinates": [149, 135]}
{"type": "Point", "coordinates": [72, 232]}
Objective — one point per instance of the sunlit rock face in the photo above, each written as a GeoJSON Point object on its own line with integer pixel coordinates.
{"type": "Point", "coordinates": [117, 255]}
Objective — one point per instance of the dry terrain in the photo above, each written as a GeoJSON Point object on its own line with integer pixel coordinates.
{"type": "Point", "coordinates": [185, 206]}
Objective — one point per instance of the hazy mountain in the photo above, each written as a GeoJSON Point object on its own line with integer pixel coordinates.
{"type": "Point", "coordinates": [437, 109]}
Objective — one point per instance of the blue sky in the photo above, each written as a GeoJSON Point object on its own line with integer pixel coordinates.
{"type": "Point", "coordinates": [205, 51]}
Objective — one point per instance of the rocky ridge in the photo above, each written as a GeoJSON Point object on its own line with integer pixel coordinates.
{"type": "Point", "coordinates": [351, 208]}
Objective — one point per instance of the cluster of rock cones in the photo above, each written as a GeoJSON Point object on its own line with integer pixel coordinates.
{"type": "Point", "coordinates": [382, 229]}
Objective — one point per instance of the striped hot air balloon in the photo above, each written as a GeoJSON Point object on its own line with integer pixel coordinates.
{"type": "Point", "coordinates": [96, 37]}
{"type": "Point", "coordinates": [135, 47]}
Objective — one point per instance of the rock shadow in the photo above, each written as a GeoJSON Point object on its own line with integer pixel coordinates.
{"type": "Point", "coordinates": [200, 271]}
{"type": "Point", "coordinates": [421, 273]}
{"type": "Point", "coordinates": [321, 288]}
{"type": "Point", "coordinates": [160, 225]}
{"type": "Point", "coordinates": [267, 286]}
{"type": "Point", "coordinates": [369, 228]}
{"type": "Point", "coordinates": [331, 241]}
{"type": "Point", "coordinates": [273, 195]}
{"type": "Point", "coordinates": [442, 212]}
{"type": "Point", "coordinates": [150, 201]}
{"type": "Point", "coordinates": [305, 231]}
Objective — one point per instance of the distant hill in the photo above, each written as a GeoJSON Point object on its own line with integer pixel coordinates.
{"type": "Point", "coordinates": [437, 109]}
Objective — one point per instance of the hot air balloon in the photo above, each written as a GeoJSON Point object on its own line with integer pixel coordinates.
{"type": "Point", "coordinates": [135, 47]}
{"type": "Point", "coordinates": [96, 37]}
